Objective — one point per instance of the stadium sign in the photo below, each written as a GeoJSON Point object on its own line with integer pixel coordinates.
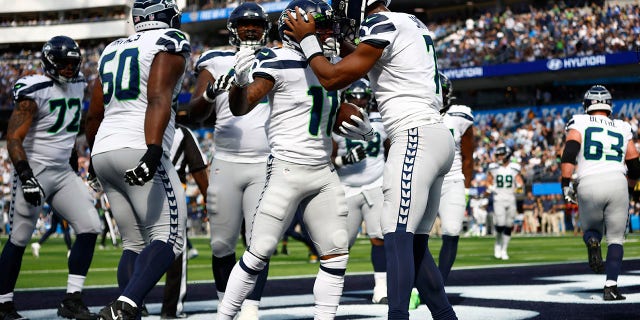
{"type": "Point", "coordinates": [538, 66]}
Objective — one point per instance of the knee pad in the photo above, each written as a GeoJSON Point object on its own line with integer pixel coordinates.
{"type": "Point", "coordinates": [265, 247]}
{"type": "Point", "coordinates": [222, 249]}
{"type": "Point", "coordinates": [340, 239]}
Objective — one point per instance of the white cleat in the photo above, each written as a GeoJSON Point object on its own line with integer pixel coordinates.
{"type": "Point", "coordinates": [504, 255]}
{"type": "Point", "coordinates": [248, 312]}
{"type": "Point", "coordinates": [35, 249]}
{"type": "Point", "coordinates": [192, 253]}
{"type": "Point", "coordinates": [497, 251]}
{"type": "Point", "coordinates": [380, 295]}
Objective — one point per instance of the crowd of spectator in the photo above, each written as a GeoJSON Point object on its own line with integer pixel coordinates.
{"type": "Point", "coordinates": [63, 17]}
{"type": "Point", "coordinates": [559, 31]}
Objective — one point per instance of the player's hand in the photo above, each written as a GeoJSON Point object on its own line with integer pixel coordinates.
{"type": "Point", "coordinates": [299, 28]}
{"type": "Point", "coordinates": [354, 155]}
{"type": "Point", "coordinates": [146, 168]}
{"type": "Point", "coordinates": [244, 60]}
{"type": "Point", "coordinates": [222, 84]}
{"type": "Point", "coordinates": [32, 191]}
{"type": "Point", "coordinates": [569, 194]}
{"type": "Point", "coordinates": [331, 45]}
{"type": "Point", "coordinates": [92, 179]}
{"type": "Point", "coordinates": [361, 131]}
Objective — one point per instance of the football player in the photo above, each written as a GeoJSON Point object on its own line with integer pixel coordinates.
{"type": "Point", "coordinates": [360, 165]}
{"type": "Point", "coordinates": [238, 169]}
{"type": "Point", "coordinates": [299, 169]}
{"type": "Point", "coordinates": [503, 178]}
{"type": "Point", "coordinates": [398, 53]}
{"type": "Point", "coordinates": [40, 139]}
{"type": "Point", "coordinates": [130, 128]}
{"type": "Point", "coordinates": [459, 119]}
{"type": "Point", "coordinates": [603, 151]}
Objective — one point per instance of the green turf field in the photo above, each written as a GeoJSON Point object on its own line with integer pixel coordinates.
{"type": "Point", "coordinates": [50, 269]}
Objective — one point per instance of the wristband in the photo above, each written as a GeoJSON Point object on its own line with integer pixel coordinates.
{"type": "Point", "coordinates": [24, 170]}
{"type": "Point", "coordinates": [207, 98]}
{"type": "Point", "coordinates": [564, 182]}
{"type": "Point", "coordinates": [310, 46]}
{"type": "Point", "coordinates": [154, 153]}
{"type": "Point", "coordinates": [338, 161]}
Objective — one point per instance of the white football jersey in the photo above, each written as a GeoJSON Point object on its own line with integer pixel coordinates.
{"type": "Point", "coordinates": [457, 119]}
{"type": "Point", "coordinates": [368, 171]}
{"type": "Point", "coordinates": [504, 181]}
{"type": "Point", "coordinates": [54, 128]}
{"type": "Point", "coordinates": [405, 79]}
{"type": "Point", "coordinates": [124, 68]}
{"type": "Point", "coordinates": [604, 144]}
{"type": "Point", "coordinates": [302, 111]}
{"type": "Point", "coordinates": [237, 139]}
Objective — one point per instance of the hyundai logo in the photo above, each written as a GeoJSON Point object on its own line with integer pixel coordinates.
{"type": "Point", "coordinates": [554, 64]}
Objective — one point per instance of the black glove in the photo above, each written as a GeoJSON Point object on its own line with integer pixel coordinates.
{"type": "Point", "coordinates": [354, 155]}
{"type": "Point", "coordinates": [146, 168]}
{"type": "Point", "coordinates": [569, 194]}
{"type": "Point", "coordinates": [31, 188]}
{"type": "Point", "coordinates": [92, 179]}
{"type": "Point", "coordinates": [222, 84]}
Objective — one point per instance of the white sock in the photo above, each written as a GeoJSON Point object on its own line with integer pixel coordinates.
{"type": "Point", "coordinates": [505, 242]}
{"type": "Point", "coordinates": [610, 283]}
{"type": "Point", "coordinates": [240, 285]}
{"type": "Point", "coordinates": [75, 283]}
{"type": "Point", "coordinates": [249, 302]}
{"type": "Point", "coordinates": [220, 295]}
{"type": "Point", "coordinates": [6, 297]}
{"type": "Point", "coordinates": [127, 300]}
{"type": "Point", "coordinates": [327, 289]}
{"type": "Point", "coordinates": [380, 278]}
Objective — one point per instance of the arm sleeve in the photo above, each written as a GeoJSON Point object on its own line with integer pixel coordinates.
{"type": "Point", "coordinates": [192, 153]}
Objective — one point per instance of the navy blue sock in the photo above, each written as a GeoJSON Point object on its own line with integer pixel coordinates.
{"type": "Point", "coordinates": [428, 280]}
{"type": "Point", "coordinates": [82, 253]}
{"type": "Point", "coordinates": [151, 264]}
{"type": "Point", "coordinates": [125, 268]}
{"type": "Point", "coordinates": [10, 262]}
{"type": "Point", "coordinates": [378, 259]}
{"type": "Point", "coordinates": [256, 294]}
{"type": "Point", "coordinates": [400, 273]}
{"type": "Point", "coordinates": [588, 234]}
{"type": "Point", "coordinates": [221, 268]}
{"type": "Point", "coordinates": [613, 265]}
{"type": "Point", "coordinates": [447, 255]}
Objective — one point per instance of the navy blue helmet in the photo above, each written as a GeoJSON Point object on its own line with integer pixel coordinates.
{"type": "Point", "coordinates": [322, 14]}
{"type": "Point", "coordinates": [597, 98]}
{"type": "Point", "coordinates": [58, 53]}
{"type": "Point", "coordinates": [248, 11]}
{"type": "Point", "coordinates": [155, 14]}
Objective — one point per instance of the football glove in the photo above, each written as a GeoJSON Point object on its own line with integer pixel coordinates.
{"type": "Point", "coordinates": [146, 168]}
{"type": "Point", "coordinates": [31, 188]}
{"type": "Point", "coordinates": [569, 194]}
{"type": "Point", "coordinates": [354, 155]}
{"type": "Point", "coordinates": [92, 179]}
{"type": "Point", "coordinates": [244, 60]}
{"type": "Point", "coordinates": [222, 84]}
{"type": "Point", "coordinates": [361, 131]}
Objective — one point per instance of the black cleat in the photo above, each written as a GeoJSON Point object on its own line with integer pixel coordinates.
{"type": "Point", "coordinates": [8, 311]}
{"type": "Point", "coordinates": [612, 294]}
{"type": "Point", "coordinates": [118, 310]}
{"type": "Point", "coordinates": [72, 307]}
{"type": "Point", "coordinates": [595, 256]}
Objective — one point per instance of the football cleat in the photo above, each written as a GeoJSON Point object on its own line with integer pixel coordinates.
{"type": "Point", "coordinates": [72, 307]}
{"type": "Point", "coordinates": [497, 251]}
{"type": "Point", "coordinates": [595, 256]}
{"type": "Point", "coordinates": [248, 312]}
{"type": "Point", "coordinates": [119, 310]}
{"type": "Point", "coordinates": [612, 294]}
{"type": "Point", "coordinates": [192, 253]}
{"type": "Point", "coordinates": [380, 295]}
{"type": "Point", "coordinates": [414, 300]}
{"type": "Point", "coordinates": [8, 311]}
{"type": "Point", "coordinates": [35, 249]}
{"type": "Point", "coordinates": [504, 255]}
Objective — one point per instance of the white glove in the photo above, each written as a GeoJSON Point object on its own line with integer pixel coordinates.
{"type": "Point", "coordinates": [244, 61]}
{"type": "Point", "coordinates": [569, 194]}
{"type": "Point", "coordinates": [332, 46]}
{"type": "Point", "coordinates": [363, 130]}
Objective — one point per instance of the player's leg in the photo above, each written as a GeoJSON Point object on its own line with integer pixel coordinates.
{"type": "Point", "coordinates": [325, 215]}
{"type": "Point", "coordinates": [452, 208]}
{"type": "Point", "coordinates": [412, 168]}
{"type": "Point", "coordinates": [372, 212]}
{"type": "Point", "coordinates": [224, 206]}
{"type": "Point", "coordinates": [500, 218]}
{"type": "Point", "coordinates": [74, 204]}
{"type": "Point", "coordinates": [275, 212]}
{"type": "Point", "coordinates": [511, 212]}
{"type": "Point", "coordinates": [250, 201]}
{"type": "Point", "coordinates": [22, 222]}
{"type": "Point", "coordinates": [615, 220]}
{"type": "Point", "coordinates": [591, 205]}
{"type": "Point", "coordinates": [175, 287]}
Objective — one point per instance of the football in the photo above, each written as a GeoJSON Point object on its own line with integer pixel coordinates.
{"type": "Point", "coordinates": [344, 114]}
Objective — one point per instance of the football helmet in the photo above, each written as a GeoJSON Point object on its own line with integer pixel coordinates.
{"type": "Point", "coordinates": [447, 92]}
{"type": "Point", "coordinates": [253, 12]}
{"type": "Point", "coordinates": [322, 14]}
{"type": "Point", "coordinates": [597, 98]}
{"type": "Point", "coordinates": [502, 153]}
{"type": "Point", "coordinates": [155, 14]}
{"type": "Point", "coordinates": [349, 14]}
{"type": "Point", "coordinates": [359, 91]}
{"type": "Point", "coordinates": [58, 53]}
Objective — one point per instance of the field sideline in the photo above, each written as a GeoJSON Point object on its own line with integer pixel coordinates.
{"type": "Point", "coordinates": [50, 269]}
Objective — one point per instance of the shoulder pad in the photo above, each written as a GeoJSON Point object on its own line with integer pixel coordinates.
{"type": "Point", "coordinates": [265, 54]}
